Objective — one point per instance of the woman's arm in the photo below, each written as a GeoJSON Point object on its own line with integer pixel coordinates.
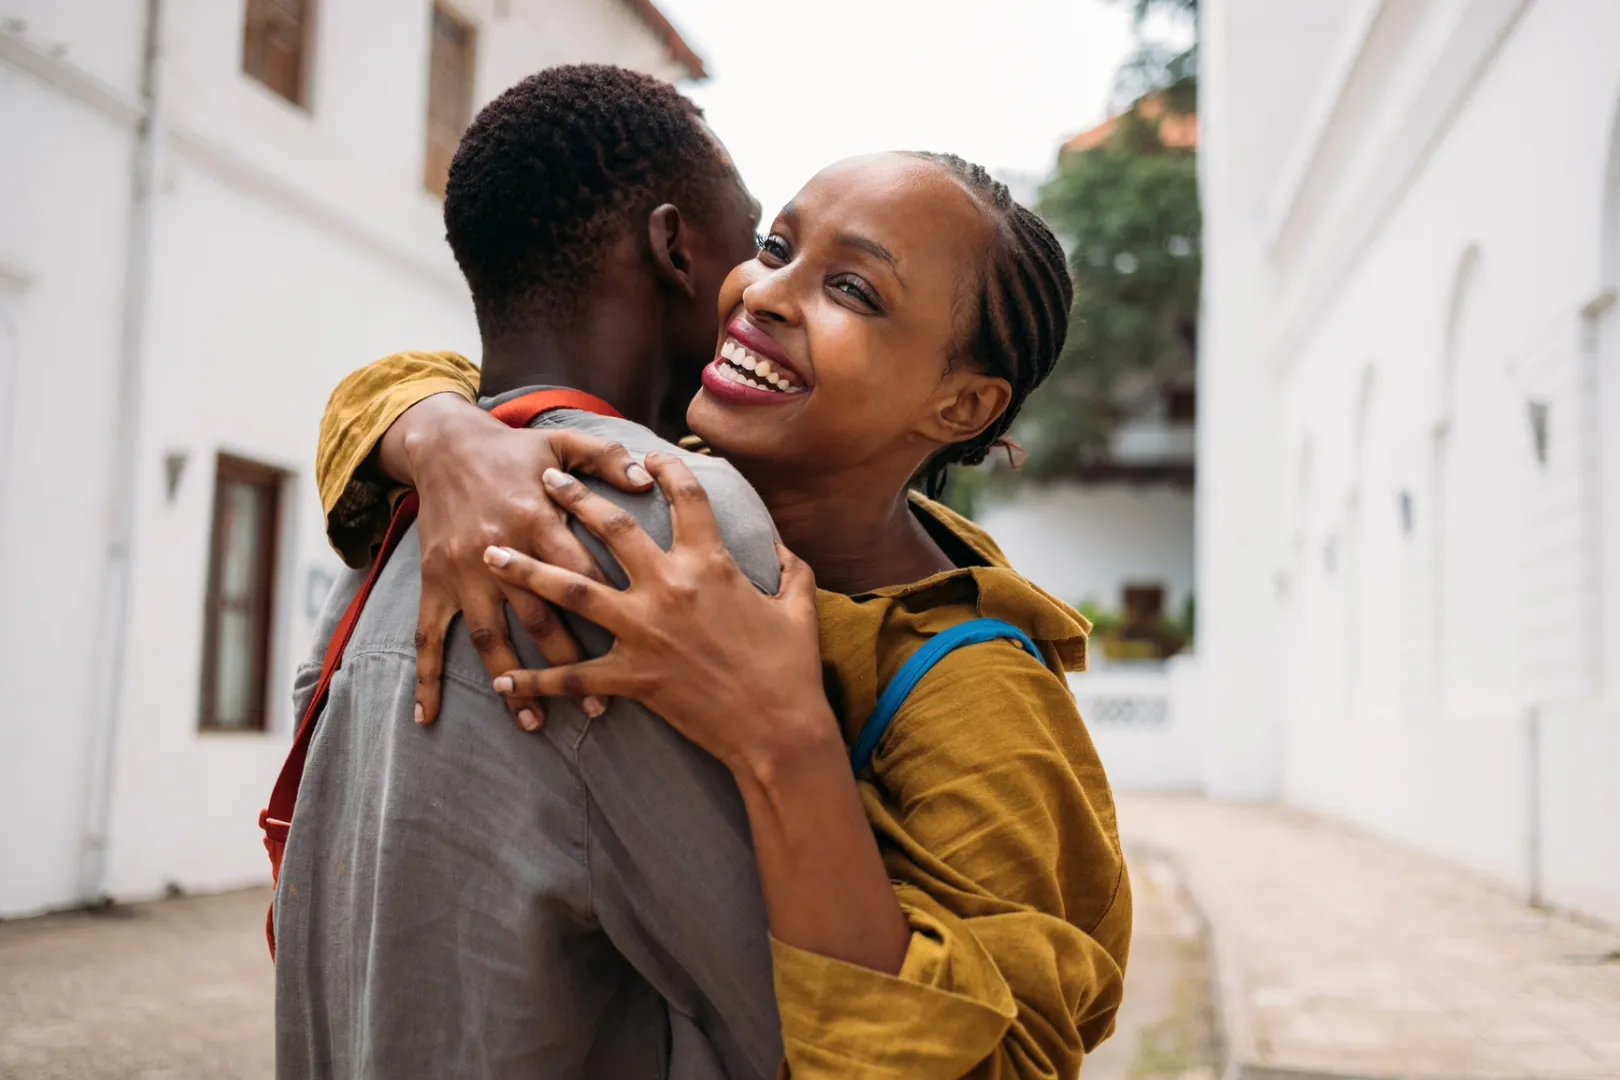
{"type": "Point", "coordinates": [410, 419]}
{"type": "Point", "coordinates": [738, 673]}
{"type": "Point", "coordinates": [988, 940]}
{"type": "Point", "coordinates": [360, 413]}
{"type": "Point", "coordinates": [998, 832]}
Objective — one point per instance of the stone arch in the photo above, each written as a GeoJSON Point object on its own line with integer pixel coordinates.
{"type": "Point", "coordinates": [1356, 511]}
{"type": "Point", "coordinates": [1462, 298]}
{"type": "Point", "coordinates": [1600, 425]}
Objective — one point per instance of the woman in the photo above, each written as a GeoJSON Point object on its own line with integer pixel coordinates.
{"type": "Point", "coordinates": [962, 903]}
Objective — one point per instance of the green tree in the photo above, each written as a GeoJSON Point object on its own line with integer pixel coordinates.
{"type": "Point", "coordinates": [1155, 66]}
{"type": "Point", "coordinates": [1127, 213]}
{"type": "Point", "coordinates": [1127, 210]}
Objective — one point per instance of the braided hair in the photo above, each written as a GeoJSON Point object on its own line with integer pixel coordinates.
{"type": "Point", "coordinates": [1021, 311]}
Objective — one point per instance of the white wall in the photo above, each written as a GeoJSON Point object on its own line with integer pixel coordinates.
{"type": "Point", "coordinates": [290, 246]}
{"type": "Point", "coordinates": [64, 187]}
{"type": "Point", "coordinates": [1432, 261]}
{"type": "Point", "coordinates": [1087, 543]}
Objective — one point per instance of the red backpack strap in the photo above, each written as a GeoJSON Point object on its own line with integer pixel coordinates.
{"type": "Point", "coordinates": [521, 411]}
{"type": "Point", "coordinates": [276, 818]}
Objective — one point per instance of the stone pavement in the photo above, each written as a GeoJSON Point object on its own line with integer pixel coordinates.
{"type": "Point", "coordinates": [174, 990]}
{"type": "Point", "coordinates": [181, 990]}
{"type": "Point", "coordinates": [1340, 954]}
{"type": "Point", "coordinates": [1166, 1027]}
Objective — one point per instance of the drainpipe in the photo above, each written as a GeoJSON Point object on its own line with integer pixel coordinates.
{"type": "Point", "coordinates": [1533, 809]}
{"type": "Point", "coordinates": [113, 625]}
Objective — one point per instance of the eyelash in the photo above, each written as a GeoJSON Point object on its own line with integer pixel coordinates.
{"type": "Point", "coordinates": [765, 243]}
{"type": "Point", "coordinates": [855, 289]}
{"type": "Point", "coordinates": [776, 247]}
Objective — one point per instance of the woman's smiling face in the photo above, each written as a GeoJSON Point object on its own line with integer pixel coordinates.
{"type": "Point", "coordinates": [836, 340]}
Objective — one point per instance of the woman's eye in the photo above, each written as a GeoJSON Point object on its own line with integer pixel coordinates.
{"type": "Point", "coordinates": [857, 290]}
{"type": "Point", "coordinates": [774, 246]}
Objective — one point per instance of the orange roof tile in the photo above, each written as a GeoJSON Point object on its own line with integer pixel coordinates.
{"type": "Point", "coordinates": [1178, 131]}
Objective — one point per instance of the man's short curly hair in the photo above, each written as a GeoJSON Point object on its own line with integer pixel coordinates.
{"type": "Point", "coordinates": [550, 173]}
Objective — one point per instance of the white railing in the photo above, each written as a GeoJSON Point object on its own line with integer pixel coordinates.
{"type": "Point", "coordinates": [1143, 723]}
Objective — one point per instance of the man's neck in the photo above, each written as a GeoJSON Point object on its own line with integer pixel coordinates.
{"type": "Point", "coordinates": [608, 354]}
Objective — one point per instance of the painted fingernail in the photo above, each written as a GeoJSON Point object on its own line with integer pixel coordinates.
{"type": "Point", "coordinates": [421, 714]}
{"type": "Point", "coordinates": [594, 707]}
{"type": "Point", "coordinates": [555, 478]}
{"type": "Point", "coordinates": [637, 475]}
{"type": "Point", "coordinates": [497, 556]}
{"type": "Point", "coordinates": [528, 720]}
{"type": "Point", "coordinates": [503, 685]}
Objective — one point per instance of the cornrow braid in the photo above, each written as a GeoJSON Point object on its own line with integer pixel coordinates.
{"type": "Point", "coordinates": [1022, 315]}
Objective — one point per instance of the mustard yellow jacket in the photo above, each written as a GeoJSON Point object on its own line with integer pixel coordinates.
{"type": "Point", "coordinates": [995, 819]}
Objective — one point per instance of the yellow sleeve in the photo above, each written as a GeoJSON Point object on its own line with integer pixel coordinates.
{"type": "Point", "coordinates": [998, 830]}
{"type": "Point", "coordinates": [358, 414]}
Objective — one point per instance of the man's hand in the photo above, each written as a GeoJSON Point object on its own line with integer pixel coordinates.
{"type": "Point", "coordinates": [479, 483]}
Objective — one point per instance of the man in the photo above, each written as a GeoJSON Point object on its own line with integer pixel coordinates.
{"type": "Point", "coordinates": [467, 899]}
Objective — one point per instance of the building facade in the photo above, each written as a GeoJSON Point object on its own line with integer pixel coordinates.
{"type": "Point", "coordinates": [213, 209]}
{"type": "Point", "coordinates": [1409, 445]}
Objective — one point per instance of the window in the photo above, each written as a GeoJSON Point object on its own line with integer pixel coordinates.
{"type": "Point", "coordinates": [451, 63]}
{"type": "Point", "coordinates": [241, 585]}
{"type": "Point", "coordinates": [275, 47]}
{"type": "Point", "coordinates": [1182, 405]}
{"type": "Point", "coordinates": [1144, 607]}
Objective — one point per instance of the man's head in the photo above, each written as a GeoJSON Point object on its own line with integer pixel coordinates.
{"type": "Point", "coordinates": [587, 181]}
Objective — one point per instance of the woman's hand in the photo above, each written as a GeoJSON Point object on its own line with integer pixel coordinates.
{"type": "Point", "coordinates": [479, 484]}
{"type": "Point", "coordinates": [734, 670]}
{"type": "Point", "coordinates": [738, 673]}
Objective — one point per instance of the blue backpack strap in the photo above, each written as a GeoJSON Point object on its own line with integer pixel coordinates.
{"type": "Point", "coordinates": [972, 632]}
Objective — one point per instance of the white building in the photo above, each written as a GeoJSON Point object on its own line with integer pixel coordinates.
{"type": "Point", "coordinates": [210, 210]}
{"type": "Point", "coordinates": [1409, 447]}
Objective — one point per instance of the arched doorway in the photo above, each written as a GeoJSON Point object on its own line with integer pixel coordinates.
{"type": "Point", "coordinates": [1479, 469]}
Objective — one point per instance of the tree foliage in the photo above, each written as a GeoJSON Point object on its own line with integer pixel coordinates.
{"type": "Point", "coordinates": [1127, 212]}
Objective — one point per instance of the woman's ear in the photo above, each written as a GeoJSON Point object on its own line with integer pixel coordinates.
{"type": "Point", "coordinates": [968, 402]}
{"type": "Point", "coordinates": [669, 240]}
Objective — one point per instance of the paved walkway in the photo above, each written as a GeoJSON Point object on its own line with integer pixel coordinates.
{"type": "Point", "coordinates": [1338, 953]}
{"type": "Point", "coordinates": [175, 990]}
{"type": "Point", "coordinates": [1166, 1027]}
{"type": "Point", "coordinates": [181, 990]}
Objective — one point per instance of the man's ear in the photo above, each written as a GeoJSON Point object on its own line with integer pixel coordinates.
{"type": "Point", "coordinates": [668, 238]}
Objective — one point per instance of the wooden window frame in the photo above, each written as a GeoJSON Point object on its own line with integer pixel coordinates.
{"type": "Point", "coordinates": [300, 97]}
{"type": "Point", "coordinates": [433, 176]}
{"type": "Point", "coordinates": [1181, 405]}
{"type": "Point", "coordinates": [230, 469]}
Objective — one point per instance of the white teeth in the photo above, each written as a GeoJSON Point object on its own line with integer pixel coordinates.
{"type": "Point", "coordinates": [765, 375]}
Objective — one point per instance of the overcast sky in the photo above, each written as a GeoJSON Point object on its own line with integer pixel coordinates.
{"type": "Point", "coordinates": [797, 84]}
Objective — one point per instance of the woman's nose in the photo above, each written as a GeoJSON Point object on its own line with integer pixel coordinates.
{"type": "Point", "coordinates": [771, 297]}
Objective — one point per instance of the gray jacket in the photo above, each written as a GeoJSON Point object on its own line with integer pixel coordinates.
{"type": "Point", "coordinates": [471, 901]}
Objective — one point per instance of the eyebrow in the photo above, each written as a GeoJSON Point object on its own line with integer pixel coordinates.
{"type": "Point", "coordinates": [790, 212]}
{"type": "Point", "coordinates": [871, 247]}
